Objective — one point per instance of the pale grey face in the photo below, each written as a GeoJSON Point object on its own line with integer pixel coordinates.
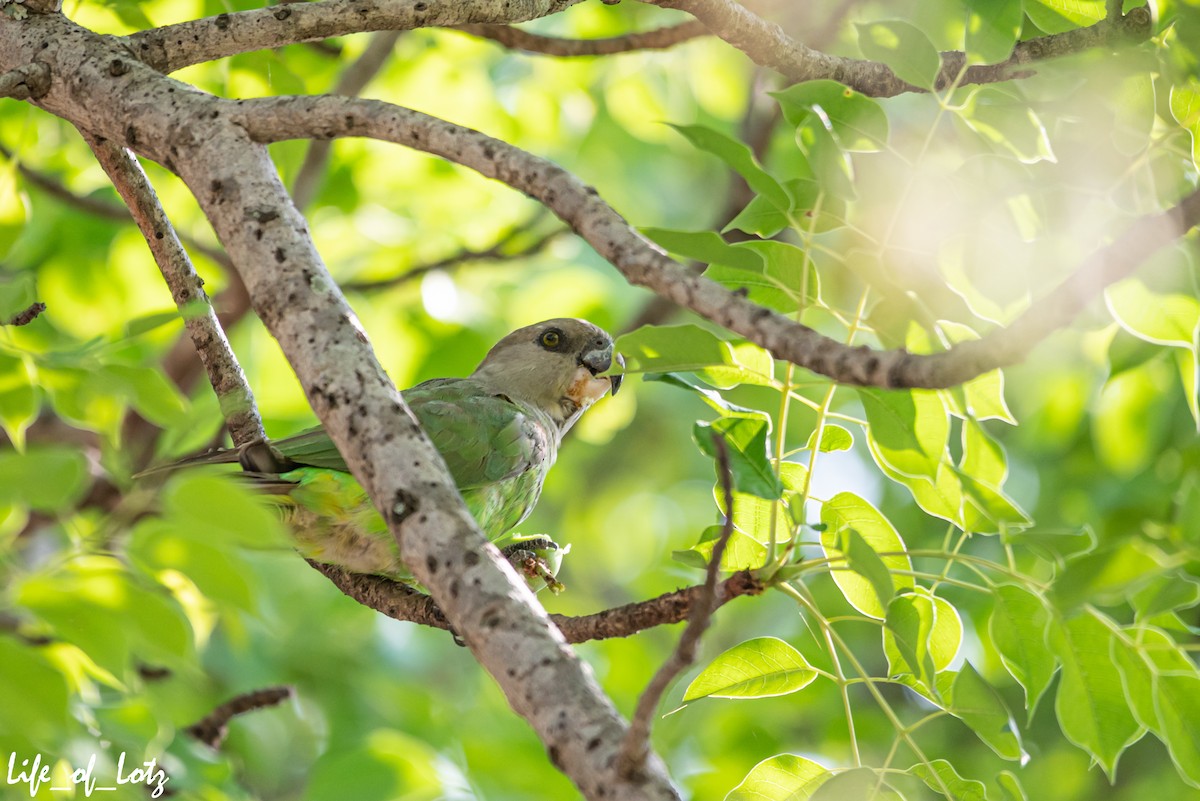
{"type": "Point", "coordinates": [555, 365]}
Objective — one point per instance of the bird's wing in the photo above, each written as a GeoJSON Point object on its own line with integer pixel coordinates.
{"type": "Point", "coordinates": [483, 438]}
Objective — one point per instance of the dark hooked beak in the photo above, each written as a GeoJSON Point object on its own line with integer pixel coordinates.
{"type": "Point", "coordinates": [600, 360]}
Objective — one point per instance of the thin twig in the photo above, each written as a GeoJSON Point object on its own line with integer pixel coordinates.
{"type": "Point", "coordinates": [518, 39]}
{"type": "Point", "coordinates": [496, 252]}
{"type": "Point", "coordinates": [636, 745]}
{"type": "Point", "coordinates": [213, 728]}
{"type": "Point", "coordinates": [28, 316]}
{"type": "Point", "coordinates": [228, 381]}
{"type": "Point", "coordinates": [401, 602]}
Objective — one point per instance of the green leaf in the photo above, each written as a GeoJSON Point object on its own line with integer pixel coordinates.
{"type": "Point", "coordinates": [1058, 16]}
{"type": "Point", "coordinates": [906, 630]}
{"type": "Point", "coordinates": [921, 636]}
{"type": "Point", "coordinates": [13, 214]}
{"type": "Point", "coordinates": [904, 48]}
{"type": "Point", "coordinates": [739, 158]}
{"type": "Point", "coordinates": [760, 217]}
{"type": "Point", "coordinates": [19, 402]}
{"type": "Point", "coordinates": [1090, 704]}
{"type": "Point", "coordinates": [217, 509]}
{"type": "Point", "coordinates": [747, 448]}
{"type": "Point", "coordinates": [668, 348]}
{"type": "Point", "coordinates": [985, 393]}
{"type": "Point", "coordinates": [758, 668]}
{"type": "Point", "coordinates": [1018, 628]}
{"type": "Point", "coordinates": [908, 428]}
{"type": "Point", "coordinates": [993, 27]}
{"type": "Point", "coordinates": [939, 774]}
{"type": "Point", "coordinates": [704, 246]}
{"type": "Point", "coordinates": [1166, 593]}
{"type": "Point", "coordinates": [833, 438]}
{"type": "Point", "coordinates": [48, 479]}
{"type": "Point", "coordinates": [830, 162]}
{"type": "Point", "coordinates": [854, 524]}
{"type": "Point", "coordinates": [858, 121]}
{"type": "Point", "coordinates": [1177, 699]}
{"type": "Point", "coordinates": [977, 704]}
{"type": "Point", "coordinates": [1153, 317]}
{"type": "Point", "coordinates": [35, 693]}
{"type": "Point", "coordinates": [1010, 785]}
{"type": "Point", "coordinates": [149, 391]}
{"type": "Point", "coordinates": [742, 552]}
{"type": "Point", "coordinates": [857, 784]}
{"type": "Point", "coordinates": [785, 777]}
{"type": "Point", "coordinates": [1002, 118]}
{"type": "Point", "coordinates": [788, 266]}
{"type": "Point", "coordinates": [17, 292]}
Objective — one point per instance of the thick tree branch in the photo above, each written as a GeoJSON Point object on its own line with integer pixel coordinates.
{"type": "Point", "coordinates": [187, 289]}
{"type": "Point", "coordinates": [174, 47]}
{"type": "Point", "coordinates": [644, 264]}
{"type": "Point", "coordinates": [401, 602]}
{"type": "Point", "coordinates": [636, 744]}
{"type": "Point", "coordinates": [518, 39]}
{"type": "Point", "coordinates": [768, 45]}
{"type": "Point", "coordinates": [213, 729]}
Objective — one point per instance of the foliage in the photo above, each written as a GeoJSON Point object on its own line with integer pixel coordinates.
{"type": "Point", "coordinates": [976, 590]}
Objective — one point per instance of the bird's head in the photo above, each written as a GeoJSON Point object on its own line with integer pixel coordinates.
{"type": "Point", "coordinates": [554, 365]}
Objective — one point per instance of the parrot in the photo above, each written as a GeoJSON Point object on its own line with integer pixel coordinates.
{"type": "Point", "coordinates": [498, 430]}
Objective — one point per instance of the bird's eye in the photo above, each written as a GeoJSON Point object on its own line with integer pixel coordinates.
{"type": "Point", "coordinates": [551, 339]}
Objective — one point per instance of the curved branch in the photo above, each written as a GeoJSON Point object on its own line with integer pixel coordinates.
{"type": "Point", "coordinates": [498, 252]}
{"type": "Point", "coordinates": [768, 45]}
{"type": "Point", "coordinates": [643, 264]}
{"type": "Point", "coordinates": [401, 602]}
{"type": "Point", "coordinates": [173, 47]}
{"type": "Point", "coordinates": [213, 728]}
{"type": "Point", "coordinates": [517, 39]}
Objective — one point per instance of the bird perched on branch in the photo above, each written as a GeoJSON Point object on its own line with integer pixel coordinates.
{"type": "Point", "coordinates": [498, 430]}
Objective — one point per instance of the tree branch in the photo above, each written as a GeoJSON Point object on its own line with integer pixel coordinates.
{"type": "Point", "coordinates": [518, 39]}
{"type": "Point", "coordinates": [499, 252]}
{"type": "Point", "coordinates": [768, 45]}
{"type": "Point", "coordinates": [644, 264]}
{"type": "Point", "coordinates": [237, 186]}
{"type": "Point", "coordinates": [173, 47]}
{"type": "Point", "coordinates": [224, 373]}
{"type": "Point", "coordinates": [214, 727]}
{"type": "Point", "coordinates": [27, 316]}
{"type": "Point", "coordinates": [401, 602]}
{"type": "Point", "coordinates": [636, 745]}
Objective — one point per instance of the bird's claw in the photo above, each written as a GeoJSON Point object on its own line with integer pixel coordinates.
{"type": "Point", "coordinates": [525, 557]}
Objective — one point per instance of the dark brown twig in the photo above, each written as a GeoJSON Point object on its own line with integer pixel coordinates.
{"type": "Point", "coordinates": [636, 745]}
{"type": "Point", "coordinates": [28, 316]}
{"type": "Point", "coordinates": [497, 252]}
{"type": "Point", "coordinates": [518, 39]}
{"type": "Point", "coordinates": [214, 727]}
{"type": "Point", "coordinates": [401, 602]}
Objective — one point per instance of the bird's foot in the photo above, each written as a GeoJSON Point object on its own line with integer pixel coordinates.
{"type": "Point", "coordinates": [537, 558]}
